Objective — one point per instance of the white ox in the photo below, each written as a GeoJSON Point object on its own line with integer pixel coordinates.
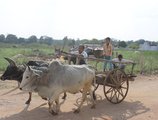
{"type": "Point", "coordinates": [59, 79]}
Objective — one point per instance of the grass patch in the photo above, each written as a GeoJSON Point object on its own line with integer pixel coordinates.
{"type": "Point", "coordinates": [10, 51]}
{"type": "Point", "coordinates": [147, 61]}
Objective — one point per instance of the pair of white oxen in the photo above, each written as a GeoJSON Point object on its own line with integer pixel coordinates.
{"type": "Point", "coordinates": [56, 79]}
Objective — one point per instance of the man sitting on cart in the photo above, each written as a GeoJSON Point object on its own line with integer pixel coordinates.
{"type": "Point", "coordinates": [82, 55]}
{"type": "Point", "coordinates": [119, 61]}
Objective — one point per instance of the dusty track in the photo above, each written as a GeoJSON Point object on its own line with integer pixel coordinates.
{"type": "Point", "coordinates": [141, 103]}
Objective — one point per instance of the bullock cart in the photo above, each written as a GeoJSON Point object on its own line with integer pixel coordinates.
{"type": "Point", "coordinates": [115, 82]}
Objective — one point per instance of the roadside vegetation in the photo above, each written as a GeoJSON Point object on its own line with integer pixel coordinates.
{"type": "Point", "coordinates": [146, 61]}
{"type": "Point", "coordinates": [19, 53]}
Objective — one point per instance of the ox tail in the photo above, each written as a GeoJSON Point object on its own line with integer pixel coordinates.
{"type": "Point", "coordinates": [95, 87]}
{"type": "Point", "coordinates": [94, 81]}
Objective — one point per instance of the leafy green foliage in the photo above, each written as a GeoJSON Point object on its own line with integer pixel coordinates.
{"type": "Point", "coordinates": [20, 53]}
{"type": "Point", "coordinates": [122, 44]}
{"type": "Point", "coordinates": [134, 46]}
{"type": "Point", "coordinates": [146, 61]}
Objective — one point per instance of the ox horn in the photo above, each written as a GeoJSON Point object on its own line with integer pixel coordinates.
{"type": "Point", "coordinates": [24, 65]}
{"type": "Point", "coordinates": [10, 61]}
{"type": "Point", "coordinates": [29, 68]}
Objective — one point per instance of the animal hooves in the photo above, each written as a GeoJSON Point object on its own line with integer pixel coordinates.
{"type": "Point", "coordinates": [93, 107]}
{"type": "Point", "coordinates": [44, 98]}
{"type": "Point", "coordinates": [27, 102]}
{"type": "Point", "coordinates": [54, 113]}
{"type": "Point", "coordinates": [64, 97]}
{"type": "Point", "coordinates": [94, 97]}
{"type": "Point", "coordinates": [76, 111]}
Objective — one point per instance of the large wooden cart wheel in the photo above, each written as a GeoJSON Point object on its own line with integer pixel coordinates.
{"type": "Point", "coordinates": [116, 86]}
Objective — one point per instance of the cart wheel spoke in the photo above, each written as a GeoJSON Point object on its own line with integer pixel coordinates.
{"type": "Point", "coordinates": [124, 87]}
{"type": "Point", "coordinates": [122, 82]}
{"type": "Point", "coordinates": [112, 79]}
{"type": "Point", "coordinates": [120, 93]}
{"type": "Point", "coordinates": [123, 92]}
{"type": "Point", "coordinates": [112, 95]}
{"type": "Point", "coordinates": [115, 97]}
{"type": "Point", "coordinates": [118, 97]}
{"type": "Point", "coordinates": [110, 90]}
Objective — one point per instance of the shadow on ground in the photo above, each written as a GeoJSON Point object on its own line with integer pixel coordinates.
{"type": "Point", "coordinates": [104, 111]}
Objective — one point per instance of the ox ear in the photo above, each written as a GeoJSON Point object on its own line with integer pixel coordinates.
{"type": "Point", "coordinates": [12, 63]}
{"type": "Point", "coordinates": [38, 76]}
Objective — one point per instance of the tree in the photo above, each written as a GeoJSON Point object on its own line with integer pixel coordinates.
{"type": "Point", "coordinates": [2, 38]}
{"type": "Point", "coordinates": [71, 42]}
{"type": "Point", "coordinates": [65, 40]}
{"type": "Point", "coordinates": [32, 39]}
{"type": "Point", "coordinates": [21, 40]}
{"type": "Point", "coordinates": [122, 44]}
{"type": "Point", "coordinates": [11, 38]}
{"type": "Point", "coordinates": [94, 41]}
{"type": "Point", "coordinates": [134, 46]}
{"type": "Point", "coordinates": [84, 41]}
{"type": "Point", "coordinates": [140, 41]}
{"type": "Point", "coordinates": [46, 40]}
{"type": "Point", "coordinates": [77, 42]}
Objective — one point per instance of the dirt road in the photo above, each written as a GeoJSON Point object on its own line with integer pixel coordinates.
{"type": "Point", "coordinates": [141, 103]}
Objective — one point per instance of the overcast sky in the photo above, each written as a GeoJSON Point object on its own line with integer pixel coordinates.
{"type": "Point", "coordinates": [120, 19]}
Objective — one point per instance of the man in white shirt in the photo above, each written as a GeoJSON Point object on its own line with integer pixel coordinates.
{"type": "Point", "coordinates": [82, 55]}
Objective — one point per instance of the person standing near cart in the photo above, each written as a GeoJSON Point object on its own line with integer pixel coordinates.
{"type": "Point", "coordinates": [107, 53]}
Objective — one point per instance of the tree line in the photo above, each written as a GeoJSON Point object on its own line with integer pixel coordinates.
{"type": "Point", "coordinates": [11, 38]}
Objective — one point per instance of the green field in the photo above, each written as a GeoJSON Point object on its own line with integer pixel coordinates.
{"type": "Point", "coordinates": [7, 50]}
{"type": "Point", "coordinates": [147, 61]}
